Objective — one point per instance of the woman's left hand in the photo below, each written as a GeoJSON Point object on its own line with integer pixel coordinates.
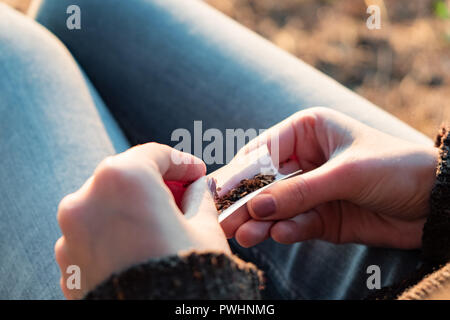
{"type": "Point", "coordinates": [125, 214]}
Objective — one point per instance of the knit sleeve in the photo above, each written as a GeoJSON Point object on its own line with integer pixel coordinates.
{"type": "Point", "coordinates": [436, 232]}
{"type": "Point", "coordinates": [188, 276]}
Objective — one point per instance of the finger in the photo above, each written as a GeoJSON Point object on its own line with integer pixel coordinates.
{"type": "Point", "coordinates": [201, 215]}
{"type": "Point", "coordinates": [301, 135]}
{"type": "Point", "coordinates": [63, 260]}
{"type": "Point", "coordinates": [168, 164]}
{"type": "Point", "coordinates": [234, 221]}
{"type": "Point", "coordinates": [253, 232]}
{"type": "Point", "coordinates": [305, 226]}
{"type": "Point", "coordinates": [298, 194]}
{"type": "Point", "coordinates": [172, 164]}
{"type": "Point", "coordinates": [241, 215]}
{"type": "Point", "coordinates": [198, 204]}
{"type": "Point", "coordinates": [280, 140]}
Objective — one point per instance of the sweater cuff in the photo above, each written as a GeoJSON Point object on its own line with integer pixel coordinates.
{"type": "Point", "coordinates": [436, 231]}
{"type": "Point", "coordinates": [434, 286]}
{"type": "Point", "coordinates": [190, 276]}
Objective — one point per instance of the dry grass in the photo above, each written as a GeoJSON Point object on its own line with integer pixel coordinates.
{"type": "Point", "coordinates": [404, 67]}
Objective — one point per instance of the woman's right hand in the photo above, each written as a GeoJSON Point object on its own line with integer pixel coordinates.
{"type": "Point", "coordinates": [360, 185]}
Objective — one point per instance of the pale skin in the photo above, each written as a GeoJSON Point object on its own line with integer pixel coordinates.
{"type": "Point", "coordinates": [360, 186]}
{"type": "Point", "coordinates": [125, 214]}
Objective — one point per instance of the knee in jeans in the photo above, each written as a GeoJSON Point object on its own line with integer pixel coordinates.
{"type": "Point", "coordinates": [25, 43]}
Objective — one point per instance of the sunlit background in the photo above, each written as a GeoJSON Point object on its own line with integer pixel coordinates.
{"type": "Point", "coordinates": [404, 67]}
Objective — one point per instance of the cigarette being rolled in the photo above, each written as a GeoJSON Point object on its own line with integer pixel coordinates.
{"type": "Point", "coordinates": [256, 166]}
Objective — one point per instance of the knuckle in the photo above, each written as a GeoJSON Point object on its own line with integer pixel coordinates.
{"type": "Point", "coordinates": [69, 210]}
{"type": "Point", "coordinates": [156, 145]}
{"type": "Point", "coordinates": [312, 112]}
{"type": "Point", "coordinates": [108, 170]}
{"type": "Point", "coordinates": [320, 110]}
{"type": "Point", "coordinates": [124, 177]}
{"type": "Point", "coordinates": [151, 147]}
{"type": "Point", "coordinates": [59, 252]}
{"type": "Point", "coordinates": [299, 115]}
{"type": "Point", "coordinates": [309, 119]}
{"type": "Point", "coordinates": [114, 175]}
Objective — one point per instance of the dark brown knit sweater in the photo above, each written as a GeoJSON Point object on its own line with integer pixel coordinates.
{"type": "Point", "coordinates": [196, 275]}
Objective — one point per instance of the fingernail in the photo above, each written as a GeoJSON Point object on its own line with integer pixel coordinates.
{"type": "Point", "coordinates": [211, 182]}
{"type": "Point", "coordinates": [263, 205]}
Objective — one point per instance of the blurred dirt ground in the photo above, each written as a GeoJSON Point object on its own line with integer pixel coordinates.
{"type": "Point", "coordinates": [404, 67]}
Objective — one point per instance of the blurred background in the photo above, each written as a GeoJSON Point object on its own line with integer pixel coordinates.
{"type": "Point", "coordinates": [404, 67]}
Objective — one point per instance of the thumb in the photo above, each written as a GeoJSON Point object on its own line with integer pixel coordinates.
{"type": "Point", "coordinates": [290, 197]}
{"type": "Point", "coordinates": [198, 203]}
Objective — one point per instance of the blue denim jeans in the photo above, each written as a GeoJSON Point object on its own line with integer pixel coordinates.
{"type": "Point", "coordinates": [134, 72]}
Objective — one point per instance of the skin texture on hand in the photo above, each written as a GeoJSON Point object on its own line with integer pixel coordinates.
{"type": "Point", "coordinates": [125, 214]}
{"type": "Point", "coordinates": [360, 185]}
